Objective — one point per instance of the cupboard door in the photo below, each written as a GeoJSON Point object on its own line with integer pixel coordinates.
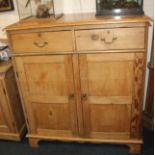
{"type": "Point", "coordinates": [6, 122]}
{"type": "Point", "coordinates": [108, 94]}
{"type": "Point", "coordinates": [48, 89]}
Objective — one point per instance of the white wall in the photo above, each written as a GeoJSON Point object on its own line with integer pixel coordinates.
{"type": "Point", "coordinates": [149, 10]}
{"type": "Point", "coordinates": [7, 18]}
{"type": "Point", "coordinates": [78, 6]}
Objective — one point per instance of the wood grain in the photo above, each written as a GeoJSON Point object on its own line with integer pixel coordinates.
{"type": "Point", "coordinates": [42, 42]}
{"type": "Point", "coordinates": [76, 20]}
{"type": "Point", "coordinates": [109, 39]}
{"type": "Point", "coordinates": [106, 79]}
{"type": "Point", "coordinates": [138, 98]}
{"type": "Point", "coordinates": [49, 90]}
{"type": "Point", "coordinates": [12, 122]}
{"type": "Point", "coordinates": [87, 81]}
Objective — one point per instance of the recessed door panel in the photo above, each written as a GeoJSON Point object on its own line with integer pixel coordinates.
{"type": "Point", "coordinates": [5, 115]}
{"type": "Point", "coordinates": [55, 117]}
{"type": "Point", "coordinates": [3, 124]}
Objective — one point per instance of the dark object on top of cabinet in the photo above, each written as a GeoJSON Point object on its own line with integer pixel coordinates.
{"type": "Point", "coordinates": [119, 7]}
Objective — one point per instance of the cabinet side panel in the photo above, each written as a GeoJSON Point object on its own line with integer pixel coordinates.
{"type": "Point", "coordinates": [4, 127]}
{"type": "Point", "coordinates": [14, 99]}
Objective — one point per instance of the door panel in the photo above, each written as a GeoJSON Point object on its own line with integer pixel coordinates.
{"type": "Point", "coordinates": [48, 87]}
{"type": "Point", "coordinates": [5, 120]}
{"type": "Point", "coordinates": [52, 118]}
{"type": "Point", "coordinates": [105, 76]}
{"type": "Point", "coordinates": [106, 119]}
{"type": "Point", "coordinates": [107, 90]}
{"type": "Point", "coordinates": [3, 124]}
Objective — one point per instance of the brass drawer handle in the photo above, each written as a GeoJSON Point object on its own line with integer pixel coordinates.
{"type": "Point", "coordinates": [41, 44]}
{"type": "Point", "coordinates": [109, 42]}
{"type": "Point", "coordinates": [84, 96]}
{"type": "Point", "coordinates": [71, 96]}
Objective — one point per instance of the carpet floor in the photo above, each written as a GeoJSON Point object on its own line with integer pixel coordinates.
{"type": "Point", "coordinates": [60, 148]}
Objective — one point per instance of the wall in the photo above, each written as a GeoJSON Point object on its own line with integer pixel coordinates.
{"type": "Point", "coordinates": [74, 6]}
{"type": "Point", "coordinates": [7, 18]}
{"type": "Point", "coordinates": [149, 10]}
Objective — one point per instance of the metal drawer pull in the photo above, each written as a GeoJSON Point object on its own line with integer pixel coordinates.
{"type": "Point", "coordinates": [84, 97]}
{"type": "Point", "coordinates": [41, 44]}
{"type": "Point", "coordinates": [109, 42]}
{"type": "Point", "coordinates": [71, 97]}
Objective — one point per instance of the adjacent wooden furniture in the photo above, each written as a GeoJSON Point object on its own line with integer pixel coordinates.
{"type": "Point", "coordinates": [81, 77]}
{"type": "Point", "coordinates": [12, 122]}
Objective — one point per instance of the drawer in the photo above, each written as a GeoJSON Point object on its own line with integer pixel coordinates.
{"type": "Point", "coordinates": [110, 39]}
{"type": "Point", "coordinates": [42, 42]}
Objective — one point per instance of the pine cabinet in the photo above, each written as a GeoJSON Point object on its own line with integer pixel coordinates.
{"type": "Point", "coordinates": [12, 122]}
{"type": "Point", "coordinates": [82, 80]}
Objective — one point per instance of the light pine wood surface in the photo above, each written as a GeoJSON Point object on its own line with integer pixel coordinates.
{"type": "Point", "coordinates": [43, 42]}
{"type": "Point", "coordinates": [110, 39]}
{"type": "Point", "coordinates": [12, 122]}
{"type": "Point", "coordinates": [86, 84]}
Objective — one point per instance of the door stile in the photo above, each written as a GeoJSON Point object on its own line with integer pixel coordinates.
{"type": "Point", "coordinates": [71, 94]}
{"type": "Point", "coordinates": [138, 95]}
{"type": "Point", "coordinates": [77, 84]}
{"type": "Point", "coordinates": [85, 93]}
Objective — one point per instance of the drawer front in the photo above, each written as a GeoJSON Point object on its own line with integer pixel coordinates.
{"type": "Point", "coordinates": [42, 42]}
{"type": "Point", "coordinates": [110, 39]}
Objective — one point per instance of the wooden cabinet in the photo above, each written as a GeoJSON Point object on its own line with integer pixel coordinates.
{"type": "Point", "coordinates": [91, 91]}
{"type": "Point", "coordinates": [12, 122]}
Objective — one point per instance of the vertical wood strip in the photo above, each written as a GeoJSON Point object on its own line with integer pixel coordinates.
{"type": "Point", "coordinates": [138, 95]}
{"type": "Point", "coordinates": [20, 92]}
{"type": "Point", "coordinates": [19, 62]}
{"type": "Point", "coordinates": [71, 90]}
{"type": "Point", "coordinates": [78, 94]}
{"type": "Point", "coordinates": [84, 90]}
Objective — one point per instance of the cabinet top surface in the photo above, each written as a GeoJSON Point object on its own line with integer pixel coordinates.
{"type": "Point", "coordinates": [75, 20]}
